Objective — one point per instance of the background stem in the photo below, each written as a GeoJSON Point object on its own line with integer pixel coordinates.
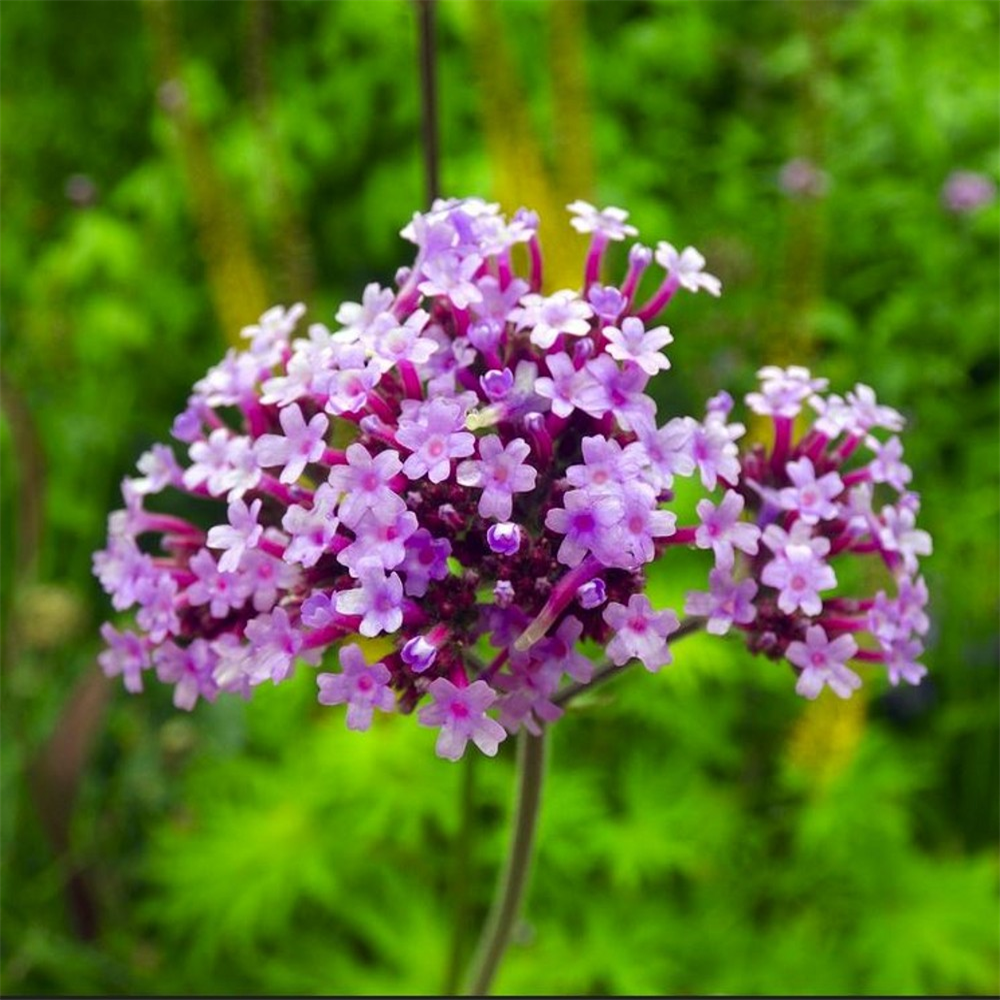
{"type": "Point", "coordinates": [428, 99]}
{"type": "Point", "coordinates": [514, 878]}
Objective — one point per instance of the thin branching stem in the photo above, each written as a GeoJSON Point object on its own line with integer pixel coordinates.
{"type": "Point", "coordinates": [514, 877]}
{"type": "Point", "coordinates": [608, 671]}
{"type": "Point", "coordinates": [503, 914]}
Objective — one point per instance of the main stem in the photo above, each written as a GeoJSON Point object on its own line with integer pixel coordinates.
{"type": "Point", "coordinates": [507, 902]}
{"type": "Point", "coordinates": [510, 891]}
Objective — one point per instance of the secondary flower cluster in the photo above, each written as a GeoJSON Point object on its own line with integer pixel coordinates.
{"type": "Point", "coordinates": [505, 484]}
{"type": "Point", "coordinates": [813, 507]}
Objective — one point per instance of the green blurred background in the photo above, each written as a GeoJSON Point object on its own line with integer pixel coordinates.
{"type": "Point", "coordinates": [170, 170]}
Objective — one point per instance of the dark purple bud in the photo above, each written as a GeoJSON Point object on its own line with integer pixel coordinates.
{"type": "Point", "coordinates": [640, 256]}
{"type": "Point", "coordinates": [450, 516]}
{"type": "Point", "coordinates": [418, 654]}
{"type": "Point", "coordinates": [721, 403]}
{"type": "Point", "coordinates": [497, 384]}
{"type": "Point", "coordinates": [503, 593]}
{"type": "Point", "coordinates": [583, 350]}
{"type": "Point", "coordinates": [504, 538]}
{"type": "Point", "coordinates": [592, 594]}
{"type": "Point", "coordinates": [484, 334]}
{"type": "Point", "coordinates": [608, 301]}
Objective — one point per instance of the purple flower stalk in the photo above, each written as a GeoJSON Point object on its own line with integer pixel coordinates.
{"type": "Point", "coordinates": [507, 484]}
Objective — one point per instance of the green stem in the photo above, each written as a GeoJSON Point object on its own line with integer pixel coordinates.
{"type": "Point", "coordinates": [462, 876]}
{"type": "Point", "coordinates": [506, 905]}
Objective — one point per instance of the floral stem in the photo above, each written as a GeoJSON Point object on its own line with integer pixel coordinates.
{"type": "Point", "coordinates": [514, 878]}
{"type": "Point", "coordinates": [462, 865]}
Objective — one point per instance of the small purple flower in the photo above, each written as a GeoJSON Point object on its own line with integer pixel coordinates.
{"type": "Point", "coordinates": [426, 559]}
{"type": "Point", "coordinates": [450, 274]}
{"type": "Point", "coordinates": [668, 451]}
{"type": "Point", "coordinates": [189, 669]}
{"type": "Point", "coordinates": [379, 541]}
{"type": "Point", "coordinates": [798, 572]}
{"type": "Point", "coordinates": [157, 614]}
{"type": "Point", "coordinates": [633, 342]}
{"type": "Point", "coordinates": [122, 570]}
{"type": "Point", "coordinates": [564, 383]}
{"type": "Point", "coordinates": [461, 714]}
{"type": "Point", "coordinates": [901, 661]}
{"type": "Point", "coordinates": [888, 466]}
{"type": "Point", "coordinates": [364, 481]}
{"type": "Point", "coordinates": [222, 592]}
{"type": "Point", "coordinates": [587, 520]}
{"type": "Point", "coordinates": [563, 313]}
{"type": "Point", "coordinates": [728, 602]}
{"type": "Point", "coordinates": [899, 534]}
{"type": "Point", "coordinates": [642, 522]}
{"type": "Point", "coordinates": [435, 434]}
{"type": "Point", "coordinates": [714, 451]}
{"type": "Point", "coordinates": [127, 654]}
{"type": "Point", "coordinates": [264, 576]}
{"type": "Point", "coordinates": [210, 464]}
{"type": "Point", "coordinates": [966, 191]}
{"type": "Point", "coordinates": [640, 632]}
{"type": "Point", "coordinates": [783, 390]}
{"type": "Point", "coordinates": [274, 644]}
{"type": "Point", "coordinates": [501, 472]}
{"type": "Point", "coordinates": [618, 391]}
{"type": "Point", "coordinates": [159, 469]}
{"type": "Point", "coordinates": [241, 534]}
{"type": "Point", "coordinates": [607, 222]}
{"type": "Point", "coordinates": [378, 600]}
{"type": "Point", "coordinates": [396, 342]}
{"type": "Point", "coordinates": [687, 268]}
{"type": "Point", "coordinates": [811, 498]}
{"type": "Point", "coordinates": [801, 178]}
{"type": "Point", "coordinates": [560, 653]}
{"type": "Point", "coordinates": [301, 443]}
{"type": "Point", "coordinates": [311, 530]}
{"type": "Point", "coordinates": [606, 465]}
{"type": "Point", "coordinates": [823, 662]}
{"type": "Point", "coordinates": [722, 530]}
{"type": "Point", "coordinates": [361, 686]}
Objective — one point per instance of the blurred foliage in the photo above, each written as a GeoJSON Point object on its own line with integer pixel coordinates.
{"type": "Point", "coordinates": [170, 167]}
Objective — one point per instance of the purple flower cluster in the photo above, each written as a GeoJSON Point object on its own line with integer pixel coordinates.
{"type": "Point", "coordinates": [966, 191]}
{"type": "Point", "coordinates": [798, 511]}
{"type": "Point", "coordinates": [506, 483]}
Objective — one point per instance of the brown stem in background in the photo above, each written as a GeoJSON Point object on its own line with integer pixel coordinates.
{"type": "Point", "coordinates": [236, 281]}
{"type": "Point", "coordinates": [56, 774]}
{"type": "Point", "coordinates": [428, 99]}
{"type": "Point", "coordinates": [287, 239]}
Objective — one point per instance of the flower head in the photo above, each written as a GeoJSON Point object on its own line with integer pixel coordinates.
{"type": "Point", "coordinates": [505, 485]}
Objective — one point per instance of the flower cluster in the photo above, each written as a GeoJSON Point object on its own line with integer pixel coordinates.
{"type": "Point", "coordinates": [800, 510]}
{"type": "Point", "coordinates": [966, 191]}
{"type": "Point", "coordinates": [505, 483]}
